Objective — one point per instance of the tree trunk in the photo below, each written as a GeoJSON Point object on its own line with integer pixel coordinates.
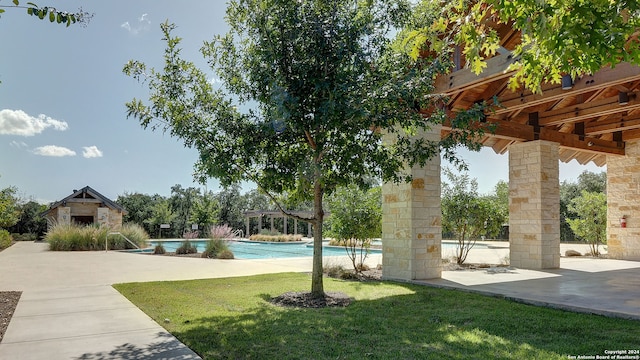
{"type": "Point", "coordinates": [317, 287]}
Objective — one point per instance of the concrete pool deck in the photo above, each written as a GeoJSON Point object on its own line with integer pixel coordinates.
{"type": "Point", "coordinates": [68, 309]}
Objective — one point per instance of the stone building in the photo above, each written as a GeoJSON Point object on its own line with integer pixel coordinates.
{"type": "Point", "coordinates": [85, 206]}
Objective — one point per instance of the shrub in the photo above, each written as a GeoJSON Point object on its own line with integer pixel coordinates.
{"type": "Point", "coordinates": [25, 237]}
{"type": "Point", "coordinates": [5, 239]}
{"type": "Point", "coordinates": [186, 248]}
{"type": "Point", "coordinates": [226, 254]}
{"type": "Point", "coordinates": [221, 232]}
{"type": "Point", "coordinates": [92, 237]}
{"type": "Point", "coordinates": [215, 247]}
{"type": "Point", "coordinates": [190, 235]}
{"type": "Point", "coordinates": [276, 238]}
{"type": "Point", "coordinates": [159, 250]}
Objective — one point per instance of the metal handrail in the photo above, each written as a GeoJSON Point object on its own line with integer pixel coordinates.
{"type": "Point", "coordinates": [106, 238]}
{"type": "Point", "coordinates": [238, 233]}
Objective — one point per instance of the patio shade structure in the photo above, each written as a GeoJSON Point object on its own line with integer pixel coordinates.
{"type": "Point", "coordinates": [591, 118]}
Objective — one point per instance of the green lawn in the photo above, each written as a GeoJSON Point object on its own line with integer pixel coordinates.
{"type": "Point", "coordinates": [232, 318]}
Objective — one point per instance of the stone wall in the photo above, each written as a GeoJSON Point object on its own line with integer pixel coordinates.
{"type": "Point", "coordinates": [623, 199]}
{"type": "Point", "coordinates": [411, 223]}
{"type": "Point", "coordinates": [534, 205]}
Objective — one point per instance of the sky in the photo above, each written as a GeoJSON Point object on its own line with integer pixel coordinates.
{"type": "Point", "coordinates": [63, 122]}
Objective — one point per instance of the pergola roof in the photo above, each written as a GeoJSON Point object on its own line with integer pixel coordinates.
{"type": "Point", "coordinates": [587, 120]}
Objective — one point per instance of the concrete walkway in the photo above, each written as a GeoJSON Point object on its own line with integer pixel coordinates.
{"type": "Point", "coordinates": [68, 309]}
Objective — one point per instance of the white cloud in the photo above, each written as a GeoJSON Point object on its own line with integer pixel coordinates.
{"type": "Point", "coordinates": [91, 152]}
{"type": "Point", "coordinates": [142, 24]}
{"type": "Point", "coordinates": [53, 150]}
{"type": "Point", "coordinates": [18, 122]}
{"type": "Point", "coordinates": [18, 144]}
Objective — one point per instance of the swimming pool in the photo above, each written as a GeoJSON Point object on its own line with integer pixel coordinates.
{"type": "Point", "coordinates": [243, 249]}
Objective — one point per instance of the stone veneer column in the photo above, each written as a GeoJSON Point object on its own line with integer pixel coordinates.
{"type": "Point", "coordinates": [534, 205]}
{"type": "Point", "coordinates": [411, 223]}
{"type": "Point", "coordinates": [623, 199]}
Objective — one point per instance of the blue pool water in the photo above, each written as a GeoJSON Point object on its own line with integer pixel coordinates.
{"type": "Point", "coordinates": [243, 249]}
{"type": "Point", "coordinates": [255, 250]}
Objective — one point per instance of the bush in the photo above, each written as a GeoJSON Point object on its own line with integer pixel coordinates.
{"type": "Point", "coordinates": [159, 250]}
{"type": "Point", "coordinates": [215, 247]}
{"type": "Point", "coordinates": [225, 254]}
{"type": "Point", "coordinates": [221, 232]}
{"type": "Point", "coordinates": [276, 238]}
{"type": "Point", "coordinates": [25, 237]}
{"type": "Point", "coordinates": [186, 248]}
{"type": "Point", "coordinates": [92, 237]}
{"type": "Point", "coordinates": [5, 239]}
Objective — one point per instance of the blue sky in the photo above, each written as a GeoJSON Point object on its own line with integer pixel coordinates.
{"type": "Point", "coordinates": [63, 123]}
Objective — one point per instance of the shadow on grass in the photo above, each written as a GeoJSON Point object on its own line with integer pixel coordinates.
{"type": "Point", "coordinates": [427, 324]}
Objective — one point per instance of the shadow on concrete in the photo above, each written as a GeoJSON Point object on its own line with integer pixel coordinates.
{"type": "Point", "coordinates": [167, 347]}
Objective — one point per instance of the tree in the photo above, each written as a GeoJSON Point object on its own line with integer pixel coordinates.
{"type": "Point", "coordinates": [466, 214]}
{"type": "Point", "coordinates": [573, 37]}
{"type": "Point", "coordinates": [308, 90]}
{"type": "Point", "coordinates": [231, 204]}
{"type": "Point", "coordinates": [139, 208]}
{"type": "Point", "coordinates": [54, 15]}
{"type": "Point", "coordinates": [591, 221]}
{"type": "Point", "coordinates": [356, 218]}
{"type": "Point", "coordinates": [161, 214]}
{"type": "Point", "coordinates": [9, 207]}
{"type": "Point", "coordinates": [30, 220]}
{"type": "Point", "coordinates": [587, 181]}
{"type": "Point", "coordinates": [182, 202]}
{"type": "Point", "coordinates": [205, 211]}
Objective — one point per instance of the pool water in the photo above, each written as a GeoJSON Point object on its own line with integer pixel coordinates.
{"type": "Point", "coordinates": [255, 250]}
{"type": "Point", "coordinates": [243, 249]}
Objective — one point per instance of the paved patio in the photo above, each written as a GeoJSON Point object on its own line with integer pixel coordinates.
{"type": "Point", "coordinates": [68, 309]}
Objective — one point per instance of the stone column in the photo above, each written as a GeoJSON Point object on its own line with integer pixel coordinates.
{"type": "Point", "coordinates": [248, 222]}
{"type": "Point", "coordinates": [534, 205]}
{"type": "Point", "coordinates": [284, 221]}
{"type": "Point", "coordinates": [411, 223]}
{"type": "Point", "coordinates": [623, 200]}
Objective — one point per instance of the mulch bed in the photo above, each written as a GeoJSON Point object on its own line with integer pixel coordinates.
{"type": "Point", "coordinates": [306, 300]}
{"type": "Point", "coordinates": [8, 303]}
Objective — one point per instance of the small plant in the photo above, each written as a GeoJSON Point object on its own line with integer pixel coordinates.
{"type": "Point", "coordinates": [221, 232]}
{"type": "Point", "coordinates": [214, 248]}
{"type": "Point", "coordinates": [159, 250]}
{"type": "Point", "coordinates": [186, 248]}
{"type": "Point", "coordinates": [190, 235]}
{"type": "Point", "coordinates": [25, 237]}
{"type": "Point", "coordinates": [225, 254]}
{"type": "Point", "coordinates": [5, 239]}
{"type": "Point", "coordinates": [275, 238]}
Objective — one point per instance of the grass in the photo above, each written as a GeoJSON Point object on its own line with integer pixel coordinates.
{"type": "Point", "coordinates": [232, 318]}
{"type": "Point", "coordinates": [82, 238]}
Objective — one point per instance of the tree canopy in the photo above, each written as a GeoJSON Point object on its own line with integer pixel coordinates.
{"type": "Point", "coordinates": [308, 89]}
{"type": "Point", "coordinates": [51, 13]}
{"type": "Point", "coordinates": [557, 37]}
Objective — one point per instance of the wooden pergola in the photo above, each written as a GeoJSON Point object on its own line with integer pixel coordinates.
{"type": "Point", "coordinates": [592, 117]}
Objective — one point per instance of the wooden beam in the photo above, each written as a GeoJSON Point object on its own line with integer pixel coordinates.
{"type": "Point", "coordinates": [584, 111]}
{"type": "Point", "coordinates": [612, 125]}
{"type": "Point", "coordinates": [508, 130]}
{"type": "Point", "coordinates": [454, 82]}
{"type": "Point", "coordinates": [622, 73]}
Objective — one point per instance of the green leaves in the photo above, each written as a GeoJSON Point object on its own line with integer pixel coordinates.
{"type": "Point", "coordinates": [556, 37]}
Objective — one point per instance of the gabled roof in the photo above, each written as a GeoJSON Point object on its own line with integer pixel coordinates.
{"type": "Point", "coordinates": [86, 195]}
